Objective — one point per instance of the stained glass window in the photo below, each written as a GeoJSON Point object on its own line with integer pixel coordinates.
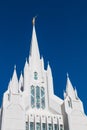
{"type": "Point", "coordinates": [42, 97]}
{"type": "Point", "coordinates": [32, 96]}
{"type": "Point", "coordinates": [37, 96]}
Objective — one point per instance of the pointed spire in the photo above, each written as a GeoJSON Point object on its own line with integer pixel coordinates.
{"type": "Point", "coordinates": [34, 51]}
{"type": "Point", "coordinates": [42, 62]}
{"type": "Point", "coordinates": [64, 94]}
{"type": "Point", "coordinates": [50, 79]}
{"type": "Point", "coordinates": [69, 88]}
{"type": "Point", "coordinates": [26, 63]}
{"type": "Point", "coordinates": [76, 93]}
{"type": "Point", "coordinates": [20, 81]}
{"type": "Point", "coordinates": [14, 82]}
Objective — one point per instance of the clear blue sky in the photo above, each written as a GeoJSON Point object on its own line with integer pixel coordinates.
{"type": "Point", "coordinates": [61, 29]}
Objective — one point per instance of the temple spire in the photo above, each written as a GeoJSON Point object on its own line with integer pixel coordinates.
{"type": "Point", "coordinates": [14, 81]}
{"type": "Point", "coordinates": [34, 51]}
{"type": "Point", "coordinates": [69, 88]}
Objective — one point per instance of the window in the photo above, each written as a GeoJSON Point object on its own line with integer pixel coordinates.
{"type": "Point", "coordinates": [31, 125]}
{"type": "Point", "coordinates": [70, 103]}
{"type": "Point", "coordinates": [42, 98]}
{"type": "Point", "coordinates": [50, 127]}
{"type": "Point", "coordinates": [37, 96]}
{"type": "Point", "coordinates": [37, 126]}
{"type": "Point", "coordinates": [32, 96]}
{"type": "Point", "coordinates": [27, 126]}
{"type": "Point", "coordinates": [35, 75]}
{"type": "Point", "coordinates": [55, 127]}
{"type": "Point", "coordinates": [43, 126]}
{"type": "Point", "coordinates": [61, 127]}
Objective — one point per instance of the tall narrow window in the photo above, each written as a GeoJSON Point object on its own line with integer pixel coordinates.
{"type": "Point", "coordinates": [42, 98]}
{"type": "Point", "coordinates": [50, 127]}
{"type": "Point", "coordinates": [32, 96]}
{"type": "Point", "coordinates": [56, 127]}
{"type": "Point", "coordinates": [37, 126]}
{"type": "Point", "coordinates": [31, 125]}
{"type": "Point", "coordinates": [43, 126]}
{"type": "Point", "coordinates": [27, 126]}
{"type": "Point", "coordinates": [37, 96]}
{"type": "Point", "coordinates": [61, 127]}
{"type": "Point", "coordinates": [70, 103]}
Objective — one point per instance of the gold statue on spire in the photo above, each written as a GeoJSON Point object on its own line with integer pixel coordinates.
{"type": "Point", "coordinates": [33, 21]}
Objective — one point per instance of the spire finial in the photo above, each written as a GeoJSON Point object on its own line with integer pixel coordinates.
{"type": "Point", "coordinates": [33, 21]}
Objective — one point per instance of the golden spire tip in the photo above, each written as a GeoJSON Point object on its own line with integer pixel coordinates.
{"type": "Point", "coordinates": [33, 21]}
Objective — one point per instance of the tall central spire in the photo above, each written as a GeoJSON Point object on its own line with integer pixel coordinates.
{"type": "Point", "coordinates": [34, 51]}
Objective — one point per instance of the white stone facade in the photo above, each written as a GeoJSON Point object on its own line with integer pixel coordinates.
{"type": "Point", "coordinates": [30, 104]}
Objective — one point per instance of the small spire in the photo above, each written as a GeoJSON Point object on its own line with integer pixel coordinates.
{"type": "Point", "coordinates": [76, 93]}
{"type": "Point", "coordinates": [14, 67]}
{"type": "Point", "coordinates": [33, 21]}
{"type": "Point", "coordinates": [14, 81]}
{"type": "Point", "coordinates": [69, 88]}
{"type": "Point", "coordinates": [67, 75]}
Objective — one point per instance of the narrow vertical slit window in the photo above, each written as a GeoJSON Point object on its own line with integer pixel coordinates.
{"type": "Point", "coordinates": [70, 103]}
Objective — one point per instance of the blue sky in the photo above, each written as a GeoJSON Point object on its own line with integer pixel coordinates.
{"type": "Point", "coordinates": [61, 29]}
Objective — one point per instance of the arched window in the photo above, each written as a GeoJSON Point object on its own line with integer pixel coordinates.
{"type": "Point", "coordinates": [37, 96]}
{"type": "Point", "coordinates": [42, 97]}
{"type": "Point", "coordinates": [32, 96]}
{"type": "Point", "coordinates": [35, 75]}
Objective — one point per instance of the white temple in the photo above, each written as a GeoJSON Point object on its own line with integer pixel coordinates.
{"type": "Point", "coordinates": [30, 103]}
